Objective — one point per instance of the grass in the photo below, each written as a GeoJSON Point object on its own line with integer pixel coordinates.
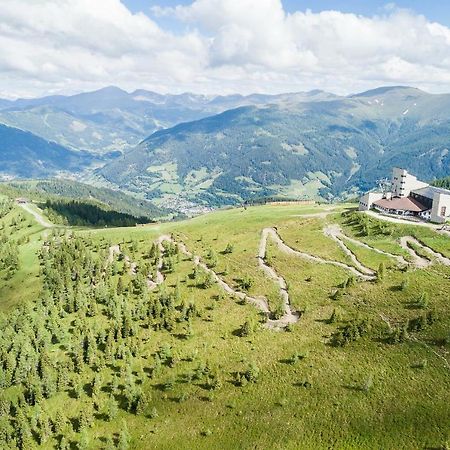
{"type": "Point", "coordinates": [405, 407]}
{"type": "Point", "coordinates": [24, 284]}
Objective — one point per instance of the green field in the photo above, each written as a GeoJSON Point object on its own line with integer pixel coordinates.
{"type": "Point", "coordinates": [366, 366]}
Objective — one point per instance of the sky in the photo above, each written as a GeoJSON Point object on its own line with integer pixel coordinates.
{"type": "Point", "coordinates": [222, 46]}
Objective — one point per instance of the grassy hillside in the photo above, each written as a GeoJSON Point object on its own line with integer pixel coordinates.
{"type": "Point", "coordinates": [138, 345]}
{"type": "Point", "coordinates": [19, 283]}
{"type": "Point", "coordinates": [291, 148]}
{"type": "Point", "coordinates": [58, 190]}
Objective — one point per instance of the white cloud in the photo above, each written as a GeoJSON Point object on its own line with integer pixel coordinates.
{"type": "Point", "coordinates": [223, 46]}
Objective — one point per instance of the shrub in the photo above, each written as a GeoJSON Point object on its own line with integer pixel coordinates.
{"type": "Point", "coordinates": [398, 334]}
{"type": "Point", "coordinates": [420, 364]}
{"type": "Point", "coordinates": [296, 357]}
{"type": "Point", "coordinates": [422, 301]}
{"type": "Point", "coordinates": [404, 285]}
{"type": "Point", "coordinates": [168, 385]}
{"type": "Point", "coordinates": [349, 282]}
{"type": "Point", "coordinates": [246, 283]}
{"type": "Point", "coordinates": [351, 332]}
{"type": "Point", "coordinates": [208, 281]}
{"type": "Point", "coordinates": [229, 248]}
{"type": "Point", "coordinates": [334, 317]}
{"type": "Point", "coordinates": [278, 313]}
{"type": "Point", "coordinates": [247, 329]}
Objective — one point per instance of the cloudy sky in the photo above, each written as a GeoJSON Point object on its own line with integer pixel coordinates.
{"type": "Point", "coordinates": [222, 46]}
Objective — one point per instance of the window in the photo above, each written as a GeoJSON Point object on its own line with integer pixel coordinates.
{"type": "Point", "coordinates": [443, 211]}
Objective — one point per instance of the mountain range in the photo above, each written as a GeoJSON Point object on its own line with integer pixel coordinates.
{"type": "Point", "coordinates": [223, 150]}
{"type": "Point", "coordinates": [321, 149]}
{"type": "Point", "coordinates": [111, 119]}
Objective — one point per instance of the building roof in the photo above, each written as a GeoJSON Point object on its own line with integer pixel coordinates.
{"type": "Point", "coordinates": [429, 191]}
{"type": "Point", "coordinates": [401, 204]}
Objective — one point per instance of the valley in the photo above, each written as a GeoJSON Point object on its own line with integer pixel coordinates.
{"type": "Point", "coordinates": [192, 153]}
{"type": "Point", "coordinates": [277, 326]}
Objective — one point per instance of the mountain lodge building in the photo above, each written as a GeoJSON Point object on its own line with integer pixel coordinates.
{"type": "Point", "coordinates": [409, 197]}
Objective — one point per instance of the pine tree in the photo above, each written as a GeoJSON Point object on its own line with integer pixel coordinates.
{"type": "Point", "coordinates": [59, 422]}
{"type": "Point", "coordinates": [142, 403]}
{"type": "Point", "coordinates": [209, 280]}
{"type": "Point", "coordinates": [85, 419]}
{"type": "Point", "coordinates": [63, 444]}
{"type": "Point", "coordinates": [229, 248]}
{"type": "Point", "coordinates": [96, 385]}
{"type": "Point", "coordinates": [124, 437]}
{"type": "Point", "coordinates": [84, 441]}
{"type": "Point", "coordinates": [112, 408]}
{"type": "Point", "coordinates": [109, 443]}
{"type": "Point", "coordinates": [381, 271]}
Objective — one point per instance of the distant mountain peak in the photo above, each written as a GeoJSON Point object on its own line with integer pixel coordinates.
{"type": "Point", "coordinates": [111, 90]}
{"type": "Point", "coordinates": [388, 90]}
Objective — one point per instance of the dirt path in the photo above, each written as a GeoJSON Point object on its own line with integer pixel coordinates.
{"type": "Point", "coordinates": [285, 248]}
{"type": "Point", "coordinates": [260, 302]}
{"type": "Point", "coordinates": [40, 219]}
{"type": "Point", "coordinates": [402, 261]}
{"type": "Point", "coordinates": [420, 261]}
{"type": "Point", "coordinates": [334, 232]}
{"type": "Point", "coordinates": [114, 251]}
{"type": "Point", "coordinates": [289, 315]}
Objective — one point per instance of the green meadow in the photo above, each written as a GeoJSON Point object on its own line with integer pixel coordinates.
{"type": "Point", "coordinates": [185, 365]}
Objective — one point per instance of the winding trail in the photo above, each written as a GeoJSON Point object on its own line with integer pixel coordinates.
{"type": "Point", "coordinates": [40, 219]}
{"type": "Point", "coordinates": [114, 251]}
{"type": "Point", "coordinates": [261, 302]}
{"type": "Point", "coordinates": [335, 232]}
{"type": "Point", "coordinates": [442, 229]}
{"type": "Point", "coordinates": [420, 261]}
{"type": "Point", "coordinates": [289, 316]}
{"type": "Point", "coordinates": [285, 248]}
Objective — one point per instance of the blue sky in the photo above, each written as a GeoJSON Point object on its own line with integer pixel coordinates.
{"type": "Point", "coordinates": [434, 10]}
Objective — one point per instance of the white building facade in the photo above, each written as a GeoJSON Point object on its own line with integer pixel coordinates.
{"type": "Point", "coordinates": [410, 197]}
{"type": "Point", "coordinates": [403, 183]}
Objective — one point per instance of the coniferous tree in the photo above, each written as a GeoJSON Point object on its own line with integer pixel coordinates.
{"type": "Point", "coordinates": [124, 437]}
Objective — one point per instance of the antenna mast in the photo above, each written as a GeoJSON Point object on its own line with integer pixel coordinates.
{"type": "Point", "coordinates": [384, 185]}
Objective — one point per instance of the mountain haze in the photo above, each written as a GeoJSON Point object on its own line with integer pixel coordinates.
{"type": "Point", "coordinates": [22, 154]}
{"type": "Point", "coordinates": [111, 120]}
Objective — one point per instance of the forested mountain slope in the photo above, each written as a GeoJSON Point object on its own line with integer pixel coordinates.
{"type": "Point", "coordinates": [61, 192]}
{"type": "Point", "coordinates": [111, 120]}
{"type": "Point", "coordinates": [24, 154]}
{"type": "Point", "coordinates": [319, 149]}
